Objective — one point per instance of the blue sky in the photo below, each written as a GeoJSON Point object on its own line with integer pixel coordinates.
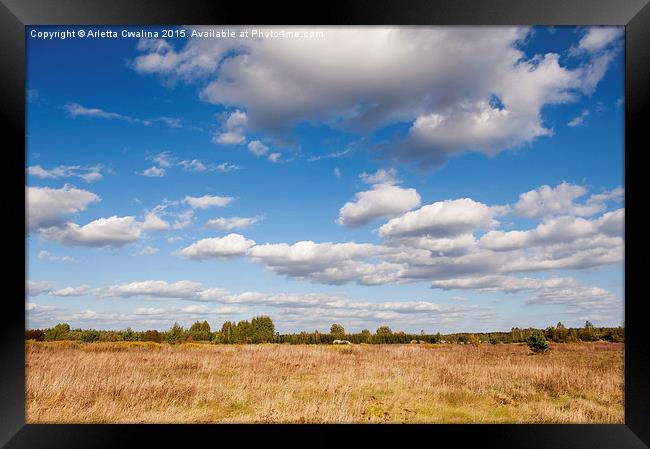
{"type": "Point", "coordinates": [426, 178]}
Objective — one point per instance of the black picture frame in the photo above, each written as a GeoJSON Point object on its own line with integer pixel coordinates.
{"type": "Point", "coordinates": [633, 14]}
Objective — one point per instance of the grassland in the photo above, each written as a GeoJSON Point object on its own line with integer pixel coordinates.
{"type": "Point", "coordinates": [71, 382]}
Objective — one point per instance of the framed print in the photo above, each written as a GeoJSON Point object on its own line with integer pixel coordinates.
{"type": "Point", "coordinates": [370, 214]}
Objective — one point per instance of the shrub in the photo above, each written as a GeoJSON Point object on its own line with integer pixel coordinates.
{"type": "Point", "coordinates": [537, 342]}
{"type": "Point", "coordinates": [89, 336]}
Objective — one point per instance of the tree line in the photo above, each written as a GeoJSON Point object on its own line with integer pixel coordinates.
{"type": "Point", "coordinates": [261, 329]}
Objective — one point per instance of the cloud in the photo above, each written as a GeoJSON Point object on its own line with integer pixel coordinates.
{"type": "Point", "coordinates": [329, 263]}
{"type": "Point", "coordinates": [554, 231]}
{"type": "Point", "coordinates": [232, 245]}
{"type": "Point", "coordinates": [183, 219]}
{"type": "Point", "coordinates": [302, 305]}
{"type": "Point", "coordinates": [33, 288]}
{"type": "Point", "coordinates": [579, 120]}
{"type": "Point", "coordinates": [232, 129]}
{"type": "Point", "coordinates": [227, 224]}
{"type": "Point", "coordinates": [148, 311]}
{"type": "Point", "coordinates": [48, 207]}
{"type": "Point", "coordinates": [381, 176]}
{"type": "Point", "coordinates": [383, 200]}
{"type": "Point", "coordinates": [257, 148]}
{"type": "Point", "coordinates": [230, 138]}
{"type": "Point", "coordinates": [71, 291]}
{"type": "Point", "coordinates": [49, 256]}
{"type": "Point", "coordinates": [32, 95]}
{"type": "Point", "coordinates": [148, 251]}
{"type": "Point", "coordinates": [597, 39]}
{"type": "Point", "coordinates": [551, 291]}
{"type": "Point", "coordinates": [337, 173]}
{"type": "Point", "coordinates": [76, 110]}
{"type": "Point", "coordinates": [166, 160]}
{"type": "Point", "coordinates": [437, 242]}
{"type": "Point", "coordinates": [156, 289]}
{"type": "Point", "coordinates": [153, 222]}
{"type": "Point", "coordinates": [443, 219]}
{"type": "Point", "coordinates": [88, 174]}
{"type": "Point", "coordinates": [207, 201]}
{"type": "Point", "coordinates": [196, 165]}
{"type": "Point", "coordinates": [486, 97]}
{"type": "Point", "coordinates": [154, 172]}
{"type": "Point", "coordinates": [112, 231]}
{"type": "Point", "coordinates": [333, 155]}
{"type": "Point", "coordinates": [547, 201]}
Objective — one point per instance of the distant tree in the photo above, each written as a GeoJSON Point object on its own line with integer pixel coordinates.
{"type": "Point", "coordinates": [175, 335]}
{"type": "Point", "coordinates": [242, 332]}
{"type": "Point", "coordinates": [560, 325]}
{"type": "Point", "coordinates": [337, 331]}
{"type": "Point", "coordinates": [200, 331]}
{"type": "Point", "coordinates": [588, 325]}
{"type": "Point", "coordinates": [474, 340]}
{"type": "Point", "coordinates": [130, 335]}
{"type": "Point", "coordinates": [152, 335]}
{"type": "Point", "coordinates": [227, 332]}
{"type": "Point", "coordinates": [34, 334]}
{"type": "Point", "coordinates": [384, 330]}
{"type": "Point", "coordinates": [366, 337]}
{"type": "Point", "coordinates": [59, 332]}
{"type": "Point", "coordinates": [262, 329]}
{"type": "Point", "coordinates": [537, 342]}
{"type": "Point", "coordinates": [90, 336]}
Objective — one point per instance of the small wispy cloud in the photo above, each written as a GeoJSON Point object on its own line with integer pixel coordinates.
{"type": "Point", "coordinates": [87, 173]}
{"type": "Point", "coordinates": [76, 110]}
{"type": "Point", "coordinates": [334, 155]}
{"type": "Point", "coordinates": [579, 120]}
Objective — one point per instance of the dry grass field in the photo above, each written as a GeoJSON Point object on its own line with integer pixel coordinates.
{"type": "Point", "coordinates": [71, 382]}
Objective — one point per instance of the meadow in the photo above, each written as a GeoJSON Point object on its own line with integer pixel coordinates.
{"type": "Point", "coordinates": [146, 382]}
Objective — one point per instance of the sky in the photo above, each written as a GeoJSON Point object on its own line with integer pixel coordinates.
{"type": "Point", "coordinates": [437, 179]}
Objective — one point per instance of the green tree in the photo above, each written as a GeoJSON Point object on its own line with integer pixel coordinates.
{"type": "Point", "coordinates": [89, 336]}
{"type": "Point", "coordinates": [366, 337]}
{"type": "Point", "coordinates": [175, 335]}
{"type": "Point", "coordinates": [262, 329]}
{"type": "Point", "coordinates": [200, 331]}
{"type": "Point", "coordinates": [59, 332]}
{"type": "Point", "coordinates": [130, 335]}
{"type": "Point", "coordinates": [242, 332]}
{"type": "Point", "coordinates": [227, 332]}
{"type": "Point", "coordinates": [537, 342]}
{"type": "Point", "coordinates": [384, 330]}
{"type": "Point", "coordinates": [337, 331]}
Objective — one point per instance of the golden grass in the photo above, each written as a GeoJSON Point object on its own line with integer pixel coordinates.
{"type": "Point", "coordinates": [71, 382]}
